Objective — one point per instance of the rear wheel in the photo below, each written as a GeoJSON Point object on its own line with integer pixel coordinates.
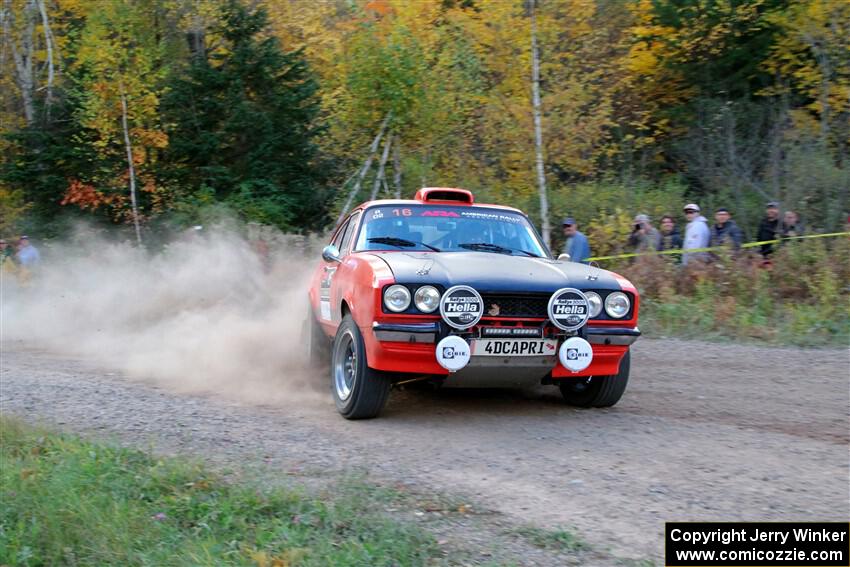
{"type": "Point", "coordinates": [359, 391]}
{"type": "Point", "coordinates": [597, 391]}
{"type": "Point", "coordinates": [318, 343]}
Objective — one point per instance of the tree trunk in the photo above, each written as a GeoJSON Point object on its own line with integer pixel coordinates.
{"type": "Point", "coordinates": [538, 130]}
{"type": "Point", "coordinates": [366, 165]}
{"type": "Point", "coordinates": [822, 57]}
{"type": "Point", "coordinates": [196, 38]}
{"type": "Point", "coordinates": [22, 55]}
{"type": "Point", "coordinates": [732, 158]}
{"type": "Point", "coordinates": [379, 178]}
{"type": "Point", "coordinates": [48, 42]}
{"type": "Point", "coordinates": [131, 168]}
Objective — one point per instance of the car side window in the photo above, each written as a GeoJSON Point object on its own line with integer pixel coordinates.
{"type": "Point", "coordinates": [337, 239]}
{"type": "Point", "coordinates": [349, 233]}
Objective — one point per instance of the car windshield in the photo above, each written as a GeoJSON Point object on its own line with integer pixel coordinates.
{"type": "Point", "coordinates": [448, 229]}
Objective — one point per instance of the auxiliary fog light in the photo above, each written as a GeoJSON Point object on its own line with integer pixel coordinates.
{"type": "Point", "coordinates": [453, 353]}
{"type": "Point", "coordinates": [575, 354]}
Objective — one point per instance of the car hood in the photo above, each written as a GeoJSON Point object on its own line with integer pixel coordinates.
{"type": "Point", "coordinates": [491, 272]}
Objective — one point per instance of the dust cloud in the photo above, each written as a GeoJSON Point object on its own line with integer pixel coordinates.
{"type": "Point", "coordinates": [208, 313]}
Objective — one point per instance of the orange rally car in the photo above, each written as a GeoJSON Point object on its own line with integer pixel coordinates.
{"type": "Point", "coordinates": [466, 295]}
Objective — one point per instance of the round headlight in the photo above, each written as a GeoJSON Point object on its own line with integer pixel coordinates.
{"type": "Point", "coordinates": [397, 298]}
{"type": "Point", "coordinates": [617, 304]}
{"type": "Point", "coordinates": [426, 298]}
{"type": "Point", "coordinates": [595, 303]}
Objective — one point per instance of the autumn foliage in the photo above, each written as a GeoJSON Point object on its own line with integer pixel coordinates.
{"type": "Point", "coordinates": [267, 110]}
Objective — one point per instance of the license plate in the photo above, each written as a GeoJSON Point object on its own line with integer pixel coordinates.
{"type": "Point", "coordinates": [514, 347]}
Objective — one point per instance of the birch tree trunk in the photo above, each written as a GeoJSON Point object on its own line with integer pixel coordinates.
{"type": "Point", "coordinates": [379, 178]}
{"type": "Point", "coordinates": [131, 168]}
{"type": "Point", "coordinates": [48, 42]}
{"type": "Point", "coordinates": [366, 165]}
{"type": "Point", "coordinates": [23, 54]}
{"type": "Point", "coordinates": [538, 130]}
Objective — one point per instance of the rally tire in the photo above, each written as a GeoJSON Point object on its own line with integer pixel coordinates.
{"type": "Point", "coordinates": [597, 391]}
{"type": "Point", "coordinates": [318, 344]}
{"type": "Point", "coordinates": [359, 392]}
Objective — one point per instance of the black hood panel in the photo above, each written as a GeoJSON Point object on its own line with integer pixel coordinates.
{"type": "Point", "coordinates": [490, 272]}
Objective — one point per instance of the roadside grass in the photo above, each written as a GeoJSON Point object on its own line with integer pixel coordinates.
{"type": "Point", "coordinates": [70, 501]}
{"type": "Point", "coordinates": [784, 325]}
{"type": "Point", "coordinates": [556, 540]}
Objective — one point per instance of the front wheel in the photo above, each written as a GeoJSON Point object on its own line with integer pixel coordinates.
{"type": "Point", "coordinates": [359, 391]}
{"type": "Point", "coordinates": [597, 391]}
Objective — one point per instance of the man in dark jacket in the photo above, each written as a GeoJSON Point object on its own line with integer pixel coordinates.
{"type": "Point", "coordinates": [670, 237]}
{"type": "Point", "coordinates": [769, 228]}
{"type": "Point", "coordinates": [725, 231]}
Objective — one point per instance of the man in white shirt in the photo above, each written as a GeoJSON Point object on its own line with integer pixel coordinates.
{"type": "Point", "coordinates": [28, 255]}
{"type": "Point", "coordinates": [697, 234]}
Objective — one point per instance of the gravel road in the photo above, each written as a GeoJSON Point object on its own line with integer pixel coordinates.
{"type": "Point", "coordinates": [704, 432]}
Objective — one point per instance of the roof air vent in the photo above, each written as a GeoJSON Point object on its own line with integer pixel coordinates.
{"type": "Point", "coordinates": [444, 195]}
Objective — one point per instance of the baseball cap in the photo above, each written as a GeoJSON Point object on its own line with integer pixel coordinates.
{"type": "Point", "coordinates": [722, 210]}
{"type": "Point", "coordinates": [642, 218]}
{"type": "Point", "coordinates": [568, 220]}
{"type": "Point", "coordinates": [691, 207]}
{"type": "Point", "coordinates": [772, 205]}
{"type": "Point", "coordinates": [24, 237]}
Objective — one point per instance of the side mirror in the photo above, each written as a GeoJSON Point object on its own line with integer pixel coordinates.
{"type": "Point", "coordinates": [564, 257]}
{"type": "Point", "coordinates": [331, 254]}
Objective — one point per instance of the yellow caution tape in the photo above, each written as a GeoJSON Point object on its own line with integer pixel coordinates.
{"type": "Point", "coordinates": [713, 248]}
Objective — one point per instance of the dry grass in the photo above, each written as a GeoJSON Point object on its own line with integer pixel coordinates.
{"type": "Point", "coordinates": [801, 297]}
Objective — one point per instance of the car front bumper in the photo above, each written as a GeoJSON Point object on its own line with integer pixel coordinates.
{"type": "Point", "coordinates": [410, 348]}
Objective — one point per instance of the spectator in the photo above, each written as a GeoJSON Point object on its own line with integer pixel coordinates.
{"type": "Point", "coordinates": [791, 225]}
{"type": "Point", "coordinates": [670, 239]}
{"type": "Point", "coordinates": [7, 257]}
{"type": "Point", "coordinates": [28, 255]}
{"type": "Point", "coordinates": [769, 228]}
{"type": "Point", "coordinates": [644, 236]}
{"type": "Point", "coordinates": [576, 244]}
{"type": "Point", "coordinates": [725, 231]}
{"type": "Point", "coordinates": [6, 251]}
{"type": "Point", "coordinates": [697, 234]}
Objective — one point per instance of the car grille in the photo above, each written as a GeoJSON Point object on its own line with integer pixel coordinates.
{"type": "Point", "coordinates": [516, 305]}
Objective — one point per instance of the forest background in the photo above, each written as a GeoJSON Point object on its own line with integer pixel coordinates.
{"type": "Point", "coordinates": [186, 110]}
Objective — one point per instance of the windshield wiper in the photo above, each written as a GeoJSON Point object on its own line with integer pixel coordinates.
{"type": "Point", "coordinates": [487, 247]}
{"type": "Point", "coordinates": [401, 242]}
